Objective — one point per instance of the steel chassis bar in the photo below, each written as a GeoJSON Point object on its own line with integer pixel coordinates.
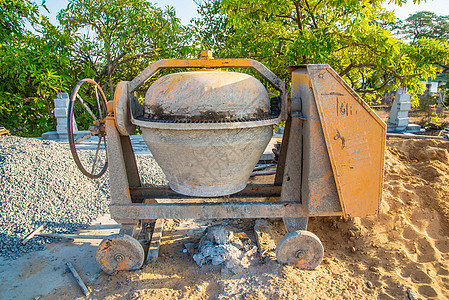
{"type": "Point", "coordinates": [208, 210]}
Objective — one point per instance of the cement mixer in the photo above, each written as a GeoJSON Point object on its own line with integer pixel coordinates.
{"type": "Point", "coordinates": [207, 129]}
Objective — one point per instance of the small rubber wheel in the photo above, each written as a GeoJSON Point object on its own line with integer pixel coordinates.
{"type": "Point", "coordinates": [120, 252]}
{"type": "Point", "coordinates": [301, 249]}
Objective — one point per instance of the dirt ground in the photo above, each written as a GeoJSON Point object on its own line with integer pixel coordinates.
{"type": "Point", "coordinates": [402, 253]}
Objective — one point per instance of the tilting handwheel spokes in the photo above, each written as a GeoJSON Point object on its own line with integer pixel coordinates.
{"type": "Point", "coordinates": [86, 123]}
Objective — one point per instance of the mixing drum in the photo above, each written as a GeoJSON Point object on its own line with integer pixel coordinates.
{"type": "Point", "coordinates": [218, 159]}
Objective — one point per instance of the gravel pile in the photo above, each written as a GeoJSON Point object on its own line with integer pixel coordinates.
{"type": "Point", "coordinates": [39, 182]}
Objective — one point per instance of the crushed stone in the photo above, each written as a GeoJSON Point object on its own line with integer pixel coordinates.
{"type": "Point", "coordinates": [40, 183]}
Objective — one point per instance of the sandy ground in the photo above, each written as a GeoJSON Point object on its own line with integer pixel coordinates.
{"type": "Point", "coordinates": [402, 253]}
{"type": "Point", "coordinates": [39, 273]}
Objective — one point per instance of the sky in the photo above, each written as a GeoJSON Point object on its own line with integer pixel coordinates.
{"type": "Point", "coordinates": [186, 9]}
{"type": "Point", "coordinates": [440, 7]}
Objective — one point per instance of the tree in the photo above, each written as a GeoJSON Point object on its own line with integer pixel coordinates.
{"type": "Point", "coordinates": [121, 37]}
{"type": "Point", "coordinates": [13, 16]}
{"type": "Point", "coordinates": [33, 67]}
{"type": "Point", "coordinates": [211, 29]}
{"type": "Point", "coordinates": [350, 35]}
{"type": "Point", "coordinates": [425, 24]}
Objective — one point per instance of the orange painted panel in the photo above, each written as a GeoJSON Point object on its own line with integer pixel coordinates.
{"type": "Point", "coordinates": [355, 140]}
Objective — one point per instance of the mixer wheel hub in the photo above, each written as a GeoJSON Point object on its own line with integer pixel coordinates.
{"type": "Point", "coordinates": [300, 248]}
{"type": "Point", "coordinates": [120, 253]}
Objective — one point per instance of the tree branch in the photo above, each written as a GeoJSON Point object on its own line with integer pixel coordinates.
{"type": "Point", "coordinates": [311, 14]}
{"type": "Point", "coordinates": [348, 68]}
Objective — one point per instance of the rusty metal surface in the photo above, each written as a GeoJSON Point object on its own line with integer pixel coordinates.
{"type": "Point", "coordinates": [203, 125]}
{"type": "Point", "coordinates": [253, 191]}
{"type": "Point", "coordinates": [98, 129]}
{"type": "Point", "coordinates": [301, 249]}
{"type": "Point", "coordinates": [120, 253]}
{"type": "Point", "coordinates": [291, 183]}
{"type": "Point", "coordinates": [318, 191]}
{"type": "Point", "coordinates": [207, 159]}
{"type": "Point", "coordinates": [355, 140]}
{"type": "Point", "coordinates": [128, 229]}
{"type": "Point", "coordinates": [130, 162]}
{"type": "Point", "coordinates": [156, 238]}
{"type": "Point", "coordinates": [122, 110]}
{"type": "Point", "coordinates": [294, 224]}
{"type": "Point", "coordinates": [118, 177]}
{"type": "Point", "coordinates": [208, 210]}
{"type": "Point", "coordinates": [283, 153]}
{"type": "Point", "coordinates": [207, 96]}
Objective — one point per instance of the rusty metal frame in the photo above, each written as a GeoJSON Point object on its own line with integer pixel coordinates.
{"type": "Point", "coordinates": [209, 210]}
{"type": "Point", "coordinates": [127, 194]}
{"type": "Point", "coordinates": [207, 61]}
{"type": "Point", "coordinates": [211, 63]}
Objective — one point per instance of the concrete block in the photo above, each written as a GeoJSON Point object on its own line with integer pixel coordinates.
{"type": "Point", "coordinates": [60, 112]}
{"type": "Point", "coordinates": [402, 122]}
{"type": "Point", "coordinates": [61, 121]}
{"type": "Point", "coordinates": [61, 102]}
{"type": "Point", "coordinates": [405, 106]}
{"type": "Point", "coordinates": [402, 114]}
{"type": "Point", "coordinates": [404, 97]}
{"type": "Point", "coordinates": [50, 135]}
{"type": "Point", "coordinates": [62, 95]}
{"type": "Point", "coordinates": [61, 129]}
{"type": "Point", "coordinates": [414, 127]}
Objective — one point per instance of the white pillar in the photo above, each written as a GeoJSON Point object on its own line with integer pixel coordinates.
{"type": "Point", "coordinates": [398, 118]}
{"type": "Point", "coordinates": [61, 108]}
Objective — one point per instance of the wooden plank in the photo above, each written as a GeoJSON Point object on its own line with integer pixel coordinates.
{"type": "Point", "coordinates": [31, 235]}
{"type": "Point", "coordinates": [4, 131]}
{"type": "Point", "coordinates": [72, 236]}
{"type": "Point", "coordinates": [78, 279]}
{"type": "Point", "coordinates": [264, 238]}
{"type": "Point", "coordinates": [153, 251]}
{"type": "Point", "coordinates": [414, 136]}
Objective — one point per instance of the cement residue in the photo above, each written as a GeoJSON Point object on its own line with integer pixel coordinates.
{"type": "Point", "coordinates": [219, 246]}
